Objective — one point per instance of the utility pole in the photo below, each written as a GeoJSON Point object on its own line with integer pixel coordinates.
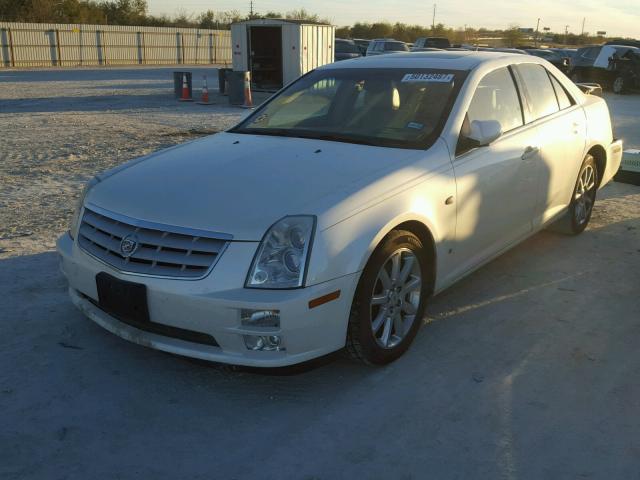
{"type": "Point", "coordinates": [566, 32]}
{"type": "Point", "coordinates": [536, 37]}
{"type": "Point", "coordinates": [583, 20]}
{"type": "Point", "coordinates": [433, 22]}
{"type": "Point", "coordinates": [251, 9]}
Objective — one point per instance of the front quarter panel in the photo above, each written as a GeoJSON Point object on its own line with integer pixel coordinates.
{"type": "Point", "coordinates": [346, 246]}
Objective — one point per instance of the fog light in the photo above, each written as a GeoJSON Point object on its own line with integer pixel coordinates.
{"type": "Point", "coordinates": [260, 318]}
{"type": "Point", "coordinates": [267, 343]}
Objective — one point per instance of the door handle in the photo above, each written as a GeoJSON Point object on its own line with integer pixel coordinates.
{"type": "Point", "coordinates": [530, 152]}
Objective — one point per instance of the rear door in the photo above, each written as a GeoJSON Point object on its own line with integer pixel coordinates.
{"type": "Point", "coordinates": [496, 184]}
{"type": "Point", "coordinates": [561, 127]}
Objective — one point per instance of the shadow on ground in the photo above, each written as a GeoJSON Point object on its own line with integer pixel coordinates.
{"type": "Point", "coordinates": [528, 369]}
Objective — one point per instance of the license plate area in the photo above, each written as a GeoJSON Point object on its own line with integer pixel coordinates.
{"type": "Point", "coordinates": [126, 301]}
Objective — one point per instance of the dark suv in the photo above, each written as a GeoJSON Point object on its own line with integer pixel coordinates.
{"type": "Point", "coordinates": [552, 57]}
{"type": "Point", "coordinates": [612, 66]}
{"type": "Point", "coordinates": [345, 50]}
{"type": "Point", "coordinates": [381, 46]}
{"type": "Point", "coordinates": [431, 42]}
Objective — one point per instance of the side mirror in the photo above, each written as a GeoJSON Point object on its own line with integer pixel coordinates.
{"type": "Point", "coordinates": [485, 131]}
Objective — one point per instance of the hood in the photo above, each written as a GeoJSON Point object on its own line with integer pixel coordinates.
{"type": "Point", "coordinates": [241, 184]}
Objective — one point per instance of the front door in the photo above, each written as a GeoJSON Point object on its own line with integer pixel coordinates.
{"type": "Point", "coordinates": [496, 184]}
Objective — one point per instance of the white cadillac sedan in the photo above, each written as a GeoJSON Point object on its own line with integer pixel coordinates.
{"type": "Point", "coordinates": [330, 215]}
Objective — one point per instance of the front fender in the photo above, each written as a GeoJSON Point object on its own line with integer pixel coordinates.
{"type": "Point", "coordinates": [345, 247]}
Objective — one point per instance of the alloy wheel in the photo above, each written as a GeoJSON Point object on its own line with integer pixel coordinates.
{"type": "Point", "coordinates": [395, 298]}
{"type": "Point", "coordinates": [618, 85]}
{"type": "Point", "coordinates": [585, 194]}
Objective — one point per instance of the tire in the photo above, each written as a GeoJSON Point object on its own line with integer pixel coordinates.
{"type": "Point", "coordinates": [575, 77]}
{"type": "Point", "coordinates": [619, 85]}
{"type": "Point", "coordinates": [387, 312]}
{"type": "Point", "coordinates": [583, 198]}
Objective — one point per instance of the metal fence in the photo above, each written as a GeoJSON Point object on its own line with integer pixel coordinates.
{"type": "Point", "coordinates": [69, 45]}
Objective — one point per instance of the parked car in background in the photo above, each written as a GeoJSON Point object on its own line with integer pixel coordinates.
{"type": "Point", "coordinates": [625, 69]}
{"type": "Point", "coordinates": [624, 42]}
{"type": "Point", "coordinates": [568, 53]}
{"type": "Point", "coordinates": [509, 50]}
{"type": "Point", "coordinates": [380, 46]}
{"type": "Point", "coordinates": [427, 49]}
{"type": "Point", "coordinates": [362, 44]}
{"type": "Point", "coordinates": [345, 49]}
{"type": "Point", "coordinates": [432, 42]}
{"type": "Point", "coordinates": [328, 217]}
{"type": "Point", "coordinates": [600, 64]}
{"type": "Point", "coordinates": [552, 57]}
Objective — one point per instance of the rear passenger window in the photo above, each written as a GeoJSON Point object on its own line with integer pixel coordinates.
{"type": "Point", "coordinates": [496, 98]}
{"type": "Point", "coordinates": [541, 98]}
{"type": "Point", "coordinates": [564, 100]}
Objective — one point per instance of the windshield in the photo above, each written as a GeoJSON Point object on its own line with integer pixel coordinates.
{"type": "Point", "coordinates": [403, 108]}
{"type": "Point", "coordinates": [346, 47]}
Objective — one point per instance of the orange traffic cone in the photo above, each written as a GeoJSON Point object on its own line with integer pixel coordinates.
{"type": "Point", "coordinates": [205, 92]}
{"type": "Point", "coordinates": [186, 97]}
{"type": "Point", "coordinates": [248, 102]}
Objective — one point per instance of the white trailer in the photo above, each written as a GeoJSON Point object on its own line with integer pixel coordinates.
{"type": "Point", "coordinates": [276, 52]}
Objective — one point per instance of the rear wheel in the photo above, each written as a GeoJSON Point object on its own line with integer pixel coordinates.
{"type": "Point", "coordinates": [619, 85]}
{"type": "Point", "coordinates": [390, 299]}
{"type": "Point", "coordinates": [584, 197]}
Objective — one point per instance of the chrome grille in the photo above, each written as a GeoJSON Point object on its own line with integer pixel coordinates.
{"type": "Point", "coordinates": [161, 252]}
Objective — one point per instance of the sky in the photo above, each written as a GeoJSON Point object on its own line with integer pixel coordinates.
{"type": "Point", "coordinates": [619, 18]}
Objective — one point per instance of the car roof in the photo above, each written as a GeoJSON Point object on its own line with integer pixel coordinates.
{"type": "Point", "coordinates": [445, 59]}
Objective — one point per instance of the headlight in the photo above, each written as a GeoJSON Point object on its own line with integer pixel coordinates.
{"type": "Point", "coordinates": [73, 227]}
{"type": "Point", "coordinates": [282, 257]}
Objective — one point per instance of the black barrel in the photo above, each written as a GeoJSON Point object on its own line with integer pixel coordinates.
{"type": "Point", "coordinates": [223, 77]}
{"type": "Point", "coordinates": [235, 82]}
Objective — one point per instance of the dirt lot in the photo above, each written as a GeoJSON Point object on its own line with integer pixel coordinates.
{"type": "Point", "coordinates": [527, 369]}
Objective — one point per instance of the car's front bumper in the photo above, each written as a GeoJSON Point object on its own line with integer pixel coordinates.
{"type": "Point", "coordinates": [212, 306]}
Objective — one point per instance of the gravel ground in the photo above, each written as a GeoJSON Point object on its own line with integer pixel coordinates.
{"type": "Point", "coordinates": [527, 369]}
{"type": "Point", "coordinates": [62, 127]}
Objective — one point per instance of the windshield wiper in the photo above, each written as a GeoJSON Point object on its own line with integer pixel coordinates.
{"type": "Point", "coordinates": [331, 137]}
{"type": "Point", "coordinates": [289, 132]}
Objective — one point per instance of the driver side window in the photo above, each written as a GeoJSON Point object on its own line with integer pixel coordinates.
{"type": "Point", "coordinates": [496, 98]}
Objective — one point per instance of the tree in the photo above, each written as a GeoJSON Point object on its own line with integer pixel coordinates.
{"type": "Point", "coordinates": [513, 36]}
{"type": "Point", "coordinates": [343, 32]}
{"type": "Point", "coordinates": [303, 14]}
{"type": "Point", "coordinates": [125, 12]}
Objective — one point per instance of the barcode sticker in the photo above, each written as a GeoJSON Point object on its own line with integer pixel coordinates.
{"type": "Point", "coordinates": [428, 77]}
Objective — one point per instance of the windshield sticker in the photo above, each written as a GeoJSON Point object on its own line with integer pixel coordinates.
{"type": "Point", "coordinates": [416, 125]}
{"type": "Point", "coordinates": [428, 77]}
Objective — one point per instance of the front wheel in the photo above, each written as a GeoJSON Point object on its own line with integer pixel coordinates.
{"type": "Point", "coordinates": [389, 301]}
{"type": "Point", "coordinates": [584, 197]}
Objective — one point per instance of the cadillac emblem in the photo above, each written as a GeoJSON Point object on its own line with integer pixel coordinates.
{"type": "Point", "coordinates": [129, 245]}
